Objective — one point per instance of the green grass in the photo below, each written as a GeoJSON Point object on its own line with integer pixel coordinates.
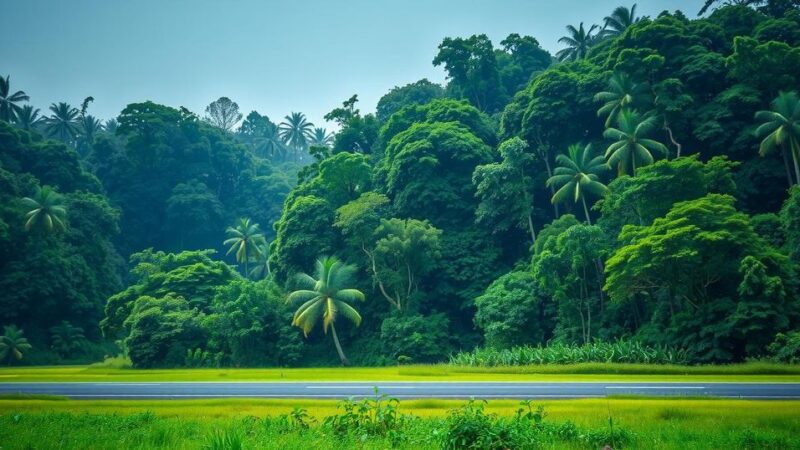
{"type": "Point", "coordinates": [652, 423]}
{"type": "Point", "coordinates": [576, 372]}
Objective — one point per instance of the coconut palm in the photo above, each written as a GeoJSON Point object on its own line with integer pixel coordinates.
{"type": "Point", "coordinates": [577, 176]}
{"type": "Point", "coordinates": [269, 143]}
{"type": "Point", "coordinates": [780, 130]}
{"type": "Point", "coordinates": [619, 21]}
{"type": "Point", "coordinates": [111, 126]}
{"type": "Point", "coordinates": [578, 42]}
{"type": "Point", "coordinates": [27, 117]}
{"type": "Point", "coordinates": [326, 296]}
{"type": "Point", "coordinates": [632, 147]}
{"type": "Point", "coordinates": [244, 238]}
{"type": "Point", "coordinates": [45, 210]}
{"type": "Point", "coordinates": [296, 131]}
{"type": "Point", "coordinates": [622, 92]}
{"type": "Point", "coordinates": [321, 137]}
{"type": "Point", "coordinates": [262, 268]}
{"type": "Point", "coordinates": [8, 101]}
{"type": "Point", "coordinates": [63, 123]}
{"type": "Point", "coordinates": [88, 127]}
{"type": "Point", "coordinates": [13, 344]}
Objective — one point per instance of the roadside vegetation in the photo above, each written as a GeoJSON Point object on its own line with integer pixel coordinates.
{"type": "Point", "coordinates": [754, 372]}
{"type": "Point", "coordinates": [384, 423]}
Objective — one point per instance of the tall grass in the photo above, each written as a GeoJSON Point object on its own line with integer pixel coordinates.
{"type": "Point", "coordinates": [597, 352]}
{"type": "Point", "coordinates": [661, 423]}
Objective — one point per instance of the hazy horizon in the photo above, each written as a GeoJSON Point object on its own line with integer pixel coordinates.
{"type": "Point", "coordinates": [271, 57]}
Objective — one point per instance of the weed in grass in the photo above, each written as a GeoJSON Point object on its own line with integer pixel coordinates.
{"type": "Point", "coordinates": [229, 439]}
{"type": "Point", "coordinates": [672, 414]}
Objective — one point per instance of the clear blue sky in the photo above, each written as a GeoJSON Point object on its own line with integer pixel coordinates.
{"type": "Point", "coordinates": [274, 57]}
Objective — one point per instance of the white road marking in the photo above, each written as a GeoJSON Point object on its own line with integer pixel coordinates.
{"type": "Point", "coordinates": [655, 387]}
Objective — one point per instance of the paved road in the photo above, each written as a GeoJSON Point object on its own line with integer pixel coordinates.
{"type": "Point", "coordinates": [403, 390]}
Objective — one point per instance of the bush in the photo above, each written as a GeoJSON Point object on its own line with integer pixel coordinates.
{"type": "Point", "coordinates": [785, 348]}
{"type": "Point", "coordinates": [377, 416]}
{"type": "Point", "coordinates": [599, 352]}
{"type": "Point", "coordinates": [416, 338]}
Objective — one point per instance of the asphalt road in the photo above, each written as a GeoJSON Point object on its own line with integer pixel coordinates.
{"type": "Point", "coordinates": [403, 390]}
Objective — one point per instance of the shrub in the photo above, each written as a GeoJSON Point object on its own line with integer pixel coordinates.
{"type": "Point", "coordinates": [785, 348]}
{"type": "Point", "coordinates": [375, 416]}
{"type": "Point", "coordinates": [600, 352]}
{"type": "Point", "coordinates": [416, 338]}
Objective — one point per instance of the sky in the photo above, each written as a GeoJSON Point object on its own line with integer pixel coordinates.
{"type": "Point", "coordinates": [269, 56]}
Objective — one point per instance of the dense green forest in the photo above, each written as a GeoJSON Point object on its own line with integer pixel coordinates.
{"type": "Point", "coordinates": [640, 186]}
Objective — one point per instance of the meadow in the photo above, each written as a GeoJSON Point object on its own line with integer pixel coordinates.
{"type": "Point", "coordinates": [52, 422]}
{"type": "Point", "coordinates": [754, 371]}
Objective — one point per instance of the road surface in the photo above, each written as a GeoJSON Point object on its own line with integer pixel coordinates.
{"type": "Point", "coordinates": [402, 390]}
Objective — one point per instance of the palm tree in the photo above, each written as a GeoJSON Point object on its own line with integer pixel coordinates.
{"type": "Point", "coordinates": [262, 268]}
{"type": "Point", "coordinates": [62, 124]}
{"type": "Point", "coordinates": [326, 296]}
{"type": "Point", "coordinates": [111, 126]}
{"type": "Point", "coordinates": [632, 148]}
{"type": "Point", "coordinates": [27, 117]}
{"type": "Point", "coordinates": [619, 21]}
{"type": "Point", "coordinates": [780, 129]}
{"type": "Point", "coordinates": [244, 238]}
{"type": "Point", "coordinates": [45, 209]}
{"type": "Point", "coordinates": [12, 343]}
{"type": "Point", "coordinates": [295, 132]}
{"type": "Point", "coordinates": [8, 102]}
{"type": "Point", "coordinates": [578, 42]}
{"type": "Point", "coordinates": [578, 175]}
{"type": "Point", "coordinates": [321, 137]}
{"type": "Point", "coordinates": [622, 93]}
{"type": "Point", "coordinates": [270, 143]}
{"type": "Point", "coordinates": [89, 126]}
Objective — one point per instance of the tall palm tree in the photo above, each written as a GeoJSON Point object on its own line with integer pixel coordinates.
{"type": "Point", "coordinates": [295, 131]}
{"type": "Point", "coordinates": [244, 238]}
{"type": "Point", "coordinates": [632, 147]}
{"type": "Point", "coordinates": [8, 101]}
{"type": "Point", "coordinates": [321, 137]}
{"type": "Point", "coordinates": [45, 210]}
{"type": "Point", "coordinates": [619, 21]}
{"type": "Point", "coordinates": [262, 268]}
{"type": "Point", "coordinates": [577, 176]}
{"type": "Point", "coordinates": [578, 42]}
{"type": "Point", "coordinates": [270, 143]}
{"type": "Point", "coordinates": [13, 344]}
{"type": "Point", "coordinates": [88, 127]}
{"type": "Point", "coordinates": [780, 130]}
{"type": "Point", "coordinates": [326, 296]}
{"type": "Point", "coordinates": [111, 126]}
{"type": "Point", "coordinates": [62, 124]}
{"type": "Point", "coordinates": [622, 92]}
{"type": "Point", "coordinates": [27, 117]}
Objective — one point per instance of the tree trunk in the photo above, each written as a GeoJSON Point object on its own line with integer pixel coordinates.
{"type": "Point", "coordinates": [795, 150]}
{"type": "Point", "coordinates": [552, 191]}
{"type": "Point", "coordinates": [586, 210]}
{"type": "Point", "coordinates": [246, 267]}
{"type": "Point", "coordinates": [345, 362]}
{"type": "Point", "coordinates": [786, 166]}
{"type": "Point", "coordinates": [677, 144]}
{"type": "Point", "coordinates": [533, 233]}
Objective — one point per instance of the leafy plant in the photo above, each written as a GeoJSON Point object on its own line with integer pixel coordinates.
{"type": "Point", "coordinates": [610, 352]}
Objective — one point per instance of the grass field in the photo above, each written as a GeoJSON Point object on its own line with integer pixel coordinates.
{"type": "Point", "coordinates": [578, 372]}
{"type": "Point", "coordinates": [649, 423]}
